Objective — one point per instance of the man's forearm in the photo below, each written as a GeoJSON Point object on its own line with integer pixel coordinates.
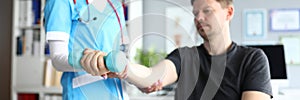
{"type": "Point", "coordinates": [142, 76]}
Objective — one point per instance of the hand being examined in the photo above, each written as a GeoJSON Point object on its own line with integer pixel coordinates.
{"type": "Point", "coordinates": [155, 87]}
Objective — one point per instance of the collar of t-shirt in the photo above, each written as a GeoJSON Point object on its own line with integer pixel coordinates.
{"type": "Point", "coordinates": [229, 52]}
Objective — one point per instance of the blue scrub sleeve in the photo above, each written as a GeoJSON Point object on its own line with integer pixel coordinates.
{"type": "Point", "coordinates": [58, 16]}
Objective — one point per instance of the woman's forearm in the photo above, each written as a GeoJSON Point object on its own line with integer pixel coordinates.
{"type": "Point", "coordinates": [59, 55]}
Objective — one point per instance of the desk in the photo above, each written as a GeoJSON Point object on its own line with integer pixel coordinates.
{"type": "Point", "coordinates": [288, 94]}
{"type": "Point", "coordinates": [286, 97]}
{"type": "Point", "coordinates": [151, 98]}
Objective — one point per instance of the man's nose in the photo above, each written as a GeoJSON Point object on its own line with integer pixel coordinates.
{"type": "Point", "coordinates": [200, 17]}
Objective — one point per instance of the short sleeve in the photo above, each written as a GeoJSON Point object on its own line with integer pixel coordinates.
{"type": "Point", "coordinates": [58, 19]}
{"type": "Point", "coordinates": [257, 77]}
{"type": "Point", "coordinates": [174, 56]}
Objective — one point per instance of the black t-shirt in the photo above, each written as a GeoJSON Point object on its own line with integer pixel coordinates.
{"type": "Point", "coordinates": [223, 77]}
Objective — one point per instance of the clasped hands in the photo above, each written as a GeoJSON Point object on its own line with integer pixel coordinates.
{"type": "Point", "coordinates": [93, 63]}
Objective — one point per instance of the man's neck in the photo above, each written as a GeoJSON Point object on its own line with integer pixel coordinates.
{"type": "Point", "coordinates": [219, 45]}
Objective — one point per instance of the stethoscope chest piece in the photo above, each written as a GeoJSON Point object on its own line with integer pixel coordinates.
{"type": "Point", "coordinates": [80, 19]}
{"type": "Point", "coordinates": [123, 47]}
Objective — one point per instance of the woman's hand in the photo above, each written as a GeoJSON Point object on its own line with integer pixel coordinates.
{"type": "Point", "coordinates": [92, 62]}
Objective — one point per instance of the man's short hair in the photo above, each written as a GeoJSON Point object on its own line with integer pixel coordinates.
{"type": "Point", "coordinates": [224, 3]}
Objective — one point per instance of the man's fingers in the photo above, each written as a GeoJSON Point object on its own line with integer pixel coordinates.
{"type": "Point", "coordinates": [155, 87]}
{"type": "Point", "coordinates": [160, 85]}
{"type": "Point", "coordinates": [149, 90]}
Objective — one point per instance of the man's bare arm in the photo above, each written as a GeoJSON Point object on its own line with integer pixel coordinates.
{"type": "Point", "coordinates": [255, 95]}
{"type": "Point", "coordinates": [143, 77]}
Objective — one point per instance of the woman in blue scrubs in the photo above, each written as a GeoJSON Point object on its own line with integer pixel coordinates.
{"type": "Point", "coordinates": [71, 26]}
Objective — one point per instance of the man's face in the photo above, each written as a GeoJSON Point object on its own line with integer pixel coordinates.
{"type": "Point", "coordinates": [210, 18]}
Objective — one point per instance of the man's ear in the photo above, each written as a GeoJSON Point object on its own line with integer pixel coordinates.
{"type": "Point", "coordinates": [230, 12]}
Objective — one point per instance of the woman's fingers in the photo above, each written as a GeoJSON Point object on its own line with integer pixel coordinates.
{"type": "Point", "coordinates": [94, 65]}
{"type": "Point", "coordinates": [88, 50]}
{"type": "Point", "coordinates": [92, 62]}
{"type": "Point", "coordinates": [100, 62]}
{"type": "Point", "coordinates": [86, 62]}
{"type": "Point", "coordinates": [82, 62]}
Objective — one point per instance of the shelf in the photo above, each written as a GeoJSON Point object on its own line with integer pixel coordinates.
{"type": "Point", "coordinates": [28, 67]}
{"type": "Point", "coordinates": [40, 57]}
{"type": "Point", "coordinates": [30, 71]}
{"type": "Point", "coordinates": [27, 56]}
{"type": "Point", "coordinates": [34, 27]}
{"type": "Point", "coordinates": [38, 89]}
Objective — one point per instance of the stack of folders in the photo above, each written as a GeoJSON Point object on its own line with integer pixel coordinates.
{"type": "Point", "coordinates": [51, 76]}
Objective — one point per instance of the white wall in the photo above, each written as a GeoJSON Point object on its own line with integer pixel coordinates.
{"type": "Point", "coordinates": [236, 28]}
{"type": "Point", "coordinates": [240, 5]}
{"type": "Point", "coordinates": [154, 20]}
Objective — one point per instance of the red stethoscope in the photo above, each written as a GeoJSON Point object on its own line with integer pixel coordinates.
{"type": "Point", "coordinates": [80, 19]}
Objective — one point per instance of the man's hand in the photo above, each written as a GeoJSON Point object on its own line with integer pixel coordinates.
{"type": "Point", "coordinates": [92, 62]}
{"type": "Point", "coordinates": [155, 87]}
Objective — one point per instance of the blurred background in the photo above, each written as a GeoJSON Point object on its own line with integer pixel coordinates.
{"type": "Point", "coordinates": [155, 28]}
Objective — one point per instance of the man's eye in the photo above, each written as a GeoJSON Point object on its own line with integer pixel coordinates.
{"type": "Point", "coordinates": [206, 11]}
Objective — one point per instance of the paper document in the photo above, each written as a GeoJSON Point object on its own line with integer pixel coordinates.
{"type": "Point", "coordinates": [85, 79]}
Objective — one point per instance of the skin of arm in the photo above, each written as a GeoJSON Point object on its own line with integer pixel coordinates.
{"type": "Point", "coordinates": [146, 79]}
{"type": "Point", "coordinates": [255, 95]}
{"type": "Point", "coordinates": [143, 77]}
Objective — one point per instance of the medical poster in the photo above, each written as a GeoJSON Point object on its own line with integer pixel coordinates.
{"type": "Point", "coordinates": [254, 23]}
{"type": "Point", "coordinates": [291, 49]}
{"type": "Point", "coordinates": [284, 20]}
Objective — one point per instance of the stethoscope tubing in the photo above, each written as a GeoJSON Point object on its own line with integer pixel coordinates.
{"type": "Point", "coordinates": [87, 21]}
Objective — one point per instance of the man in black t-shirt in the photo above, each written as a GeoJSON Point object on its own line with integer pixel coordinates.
{"type": "Point", "coordinates": [241, 72]}
{"type": "Point", "coordinates": [218, 69]}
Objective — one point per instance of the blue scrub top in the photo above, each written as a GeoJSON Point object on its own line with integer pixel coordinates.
{"type": "Point", "coordinates": [61, 17]}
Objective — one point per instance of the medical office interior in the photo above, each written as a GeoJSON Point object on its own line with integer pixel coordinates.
{"type": "Point", "coordinates": [154, 26]}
